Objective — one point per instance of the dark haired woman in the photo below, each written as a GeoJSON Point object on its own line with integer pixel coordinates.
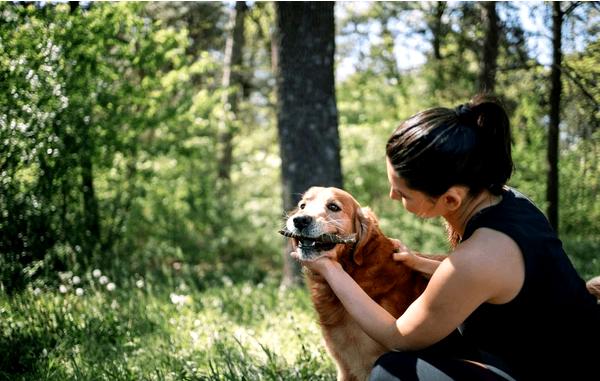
{"type": "Point", "coordinates": [506, 303]}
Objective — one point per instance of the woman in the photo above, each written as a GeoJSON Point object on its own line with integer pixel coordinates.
{"type": "Point", "coordinates": [506, 303]}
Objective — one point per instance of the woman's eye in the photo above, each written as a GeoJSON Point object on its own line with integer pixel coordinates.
{"type": "Point", "coordinates": [302, 206]}
{"type": "Point", "coordinates": [401, 195]}
{"type": "Point", "coordinates": [333, 207]}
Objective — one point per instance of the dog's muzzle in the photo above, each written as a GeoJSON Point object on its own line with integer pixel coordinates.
{"type": "Point", "coordinates": [310, 246]}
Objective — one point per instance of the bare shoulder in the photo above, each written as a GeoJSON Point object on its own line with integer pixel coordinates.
{"type": "Point", "coordinates": [494, 259]}
{"type": "Point", "coordinates": [486, 268]}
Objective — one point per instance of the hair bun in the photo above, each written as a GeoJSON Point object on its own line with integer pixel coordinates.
{"type": "Point", "coordinates": [465, 115]}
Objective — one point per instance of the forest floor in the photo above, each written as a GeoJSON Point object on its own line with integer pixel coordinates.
{"type": "Point", "coordinates": [93, 327]}
{"type": "Point", "coordinates": [97, 329]}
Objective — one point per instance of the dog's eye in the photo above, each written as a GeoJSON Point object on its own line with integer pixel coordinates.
{"type": "Point", "coordinates": [333, 207]}
{"type": "Point", "coordinates": [302, 205]}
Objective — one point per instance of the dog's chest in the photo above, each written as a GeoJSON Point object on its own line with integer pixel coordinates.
{"type": "Point", "coordinates": [354, 351]}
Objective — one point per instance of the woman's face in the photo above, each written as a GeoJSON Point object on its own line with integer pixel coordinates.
{"type": "Point", "coordinates": [416, 202]}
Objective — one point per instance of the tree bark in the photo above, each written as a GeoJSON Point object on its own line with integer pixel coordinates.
{"type": "Point", "coordinates": [307, 116]}
{"type": "Point", "coordinates": [233, 82]}
{"type": "Point", "coordinates": [436, 26]}
{"type": "Point", "coordinates": [553, 128]}
{"type": "Point", "coordinates": [487, 75]}
{"type": "Point", "coordinates": [434, 13]}
{"type": "Point", "coordinates": [73, 5]}
{"type": "Point", "coordinates": [91, 214]}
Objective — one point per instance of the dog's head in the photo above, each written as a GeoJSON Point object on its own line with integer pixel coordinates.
{"type": "Point", "coordinates": [329, 219]}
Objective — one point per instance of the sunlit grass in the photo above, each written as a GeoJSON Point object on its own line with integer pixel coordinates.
{"type": "Point", "coordinates": [175, 325]}
{"type": "Point", "coordinates": [140, 331]}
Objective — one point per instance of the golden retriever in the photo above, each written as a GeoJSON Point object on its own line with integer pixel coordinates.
{"type": "Point", "coordinates": [331, 219]}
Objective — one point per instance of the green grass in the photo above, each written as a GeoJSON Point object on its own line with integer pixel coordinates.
{"type": "Point", "coordinates": [184, 324]}
{"type": "Point", "coordinates": [229, 331]}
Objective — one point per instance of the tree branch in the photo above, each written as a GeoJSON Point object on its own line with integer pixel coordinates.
{"type": "Point", "coordinates": [572, 7]}
{"type": "Point", "coordinates": [571, 74]}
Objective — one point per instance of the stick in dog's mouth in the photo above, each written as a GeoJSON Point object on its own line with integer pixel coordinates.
{"type": "Point", "coordinates": [324, 242]}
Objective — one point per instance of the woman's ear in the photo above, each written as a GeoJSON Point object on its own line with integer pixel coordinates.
{"type": "Point", "coordinates": [453, 198]}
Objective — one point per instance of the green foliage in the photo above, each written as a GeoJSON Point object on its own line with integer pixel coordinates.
{"type": "Point", "coordinates": [97, 111]}
{"type": "Point", "coordinates": [108, 132]}
{"type": "Point", "coordinates": [72, 125]}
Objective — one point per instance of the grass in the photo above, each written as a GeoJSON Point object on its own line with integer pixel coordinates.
{"type": "Point", "coordinates": [228, 331]}
{"type": "Point", "coordinates": [179, 325]}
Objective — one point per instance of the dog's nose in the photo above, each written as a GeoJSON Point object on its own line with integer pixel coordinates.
{"type": "Point", "coordinates": [300, 222]}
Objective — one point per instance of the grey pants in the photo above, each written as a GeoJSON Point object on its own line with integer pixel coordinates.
{"type": "Point", "coordinates": [450, 359]}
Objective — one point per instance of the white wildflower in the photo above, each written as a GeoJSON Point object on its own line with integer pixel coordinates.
{"type": "Point", "coordinates": [227, 281]}
{"type": "Point", "coordinates": [179, 299]}
{"type": "Point", "coordinates": [246, 290]}
{"type": "Point", "coordinates": [76, 279]}
{"type": "Point", "coordinates": [111, 286]}
{"type": "Point", "coordinates": [63, 275]}
{"type": "Point", "coordinates": [96, 273]}
{"type": "Point", "coordinates": [103, 279]}
{"type": "Point", "coordinates": [63, 289]}
{"type": "Point", "coordinates": [139, 283]}
{"type": "Point", "coordinates": [79, 291]}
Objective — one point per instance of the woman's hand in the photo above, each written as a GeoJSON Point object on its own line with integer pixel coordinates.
{"type": "Point", "coordinates": [403, 254]}
{"type": "Point", "coordinates": [399, 246]}
{"type": "Point", "coordinates": [410, 259]}
{"type": "Point", "coordinates": [407, 258]}
{"type": "Point", "coordinates": [317, 265]}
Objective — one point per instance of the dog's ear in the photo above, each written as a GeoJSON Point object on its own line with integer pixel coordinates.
{"type": "Point", "coordinates": [364, 222]}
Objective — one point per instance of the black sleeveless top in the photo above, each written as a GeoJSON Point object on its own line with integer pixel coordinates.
{"type": "Point", "coordinates": [543, 333]}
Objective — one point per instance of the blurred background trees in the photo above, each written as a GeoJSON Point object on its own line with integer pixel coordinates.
{"type": "Point", "coordinates": [135, 137]}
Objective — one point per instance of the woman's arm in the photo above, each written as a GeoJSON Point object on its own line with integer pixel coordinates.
{"type": "Point", "coordinates": [425, 265]}
{"type": "Point", "coordinates": [481, 271]}
{"type": "Point", "coordinates": [424, 323]}
{"type": "Point", "coordinates": [379, 324]}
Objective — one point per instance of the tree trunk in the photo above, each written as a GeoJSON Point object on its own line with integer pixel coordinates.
{"type": "Point", "coordinates": [436, 27]}
{"type": "Point", "coordinates": [73, 5]}
{"type": "Point", "coordinates": [553, 128]}
{"type": "Point", "coordinates": [307, 115]}
{"type": "Point", "coordinates": [487, 75]}
{"type": "Point", "coordinates": [90, 203]}
{"type": "Point", "coordinates": [434, 18]}
{"type": "Point", "coordinates": [233, 82]}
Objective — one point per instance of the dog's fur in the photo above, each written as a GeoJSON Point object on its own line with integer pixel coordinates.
{"type": "Point", "coordinates": [369, 262]}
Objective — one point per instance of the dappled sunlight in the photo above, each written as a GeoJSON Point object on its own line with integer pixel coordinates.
{"type": "Point", "coordinates": [139, 324]}
{"type": "Point", "coordinates": [143, 178]}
